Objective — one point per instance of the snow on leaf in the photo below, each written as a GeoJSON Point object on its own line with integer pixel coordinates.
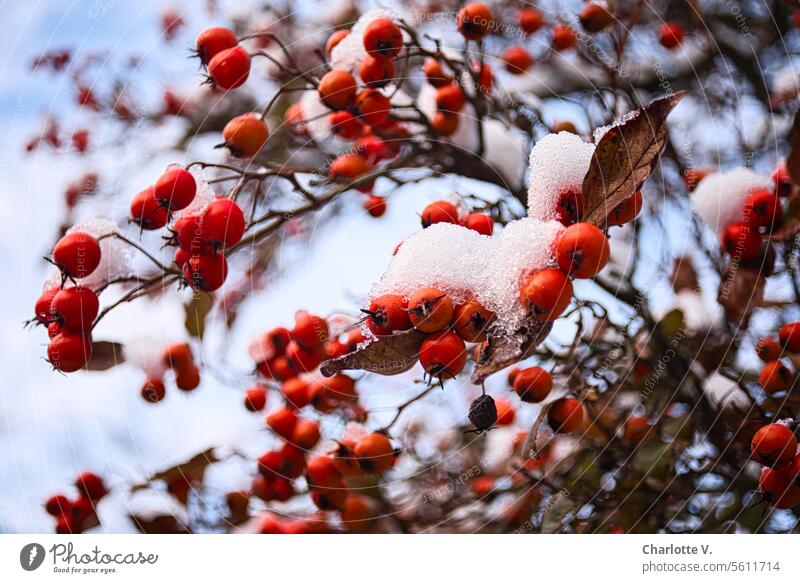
{"type": "Point", "coordinates": [625, 157]}
{"type": "Point", "coordinates": [389, 355]}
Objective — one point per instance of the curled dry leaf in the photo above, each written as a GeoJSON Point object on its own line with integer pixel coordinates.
{"type": "Point", "coordinates": [625, 157]}
{"type": "Point", "coordinates": [529, 448]}
{"type": "Point", "coordinates": [105, 355]}
{"type": "Point", "coordinates": [389, 355]}
{"type": "Point", "coordinates": [503, 349]}
{"type": "Point", "coordinates": [192, 469]}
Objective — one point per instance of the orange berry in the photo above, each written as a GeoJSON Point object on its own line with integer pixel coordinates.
{"type": "Point", "coordinates": [373, 107]}
{"type": "Point", "coordinates": [443, 355]}
{"type": "Point", "coordinates": [375, 453]}
{"type": "Point", "coordinates": [450, 98]}
{"type": "Point", "coordinates": [789, 335]}
{"type": "Point", "coordinates": [582, 250]}
{"type": "Point", "coordinates": [471, 321]}
{"type": "Point", "coordinates": [774, 445]}
{"type": "Point", "coordinates": [245, 135]}
{"type": "Point", "coordinates": [282, 421]}
{"type": "Point", "coordinates": [337, 89]}
{"type": "Point", "coordinates": [517, 60]}
{"type": "Point", "coordinates": [564, 37]}
{"type": "Point", "coordinates": [532, 384]}
{"type": "Point", "coordinates": [546, 293]}
{"type": "Point", "coordinates": [430, 310]}
{"type": "Point", "coordinates": [505, 411]}
{"type": "Point", "coordinates": [565, 415]}
{"type": "Point", "coordinates": [383, 38]}
{"type": "Point", "coordinates": [475, 21]}
{"type": "Point", "coordinates": [626, 211]}
{"type": "Point", "coordinates": [441, 211]}
{"type": "Point", "coordinates": [335, 38]}
{"type": "Point", "coordinates": [775, 377]}
{"type": "Point", "coordinates": [530, 20]}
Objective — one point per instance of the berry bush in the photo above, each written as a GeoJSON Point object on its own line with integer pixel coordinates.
{"type": "Point", "coordinates": [592, 328]}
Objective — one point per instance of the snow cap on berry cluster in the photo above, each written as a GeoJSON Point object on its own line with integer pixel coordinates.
{"type": "Point", "coordinates": [350, 51]}
{"type": "Point", "coordinates": [719, 198]}
{"type": "Point", "coordinates": [116, 256]}
{"type": "Point", "coordinates": [558, 163]}
{"type": "Point", "coordinates": [465, 264]}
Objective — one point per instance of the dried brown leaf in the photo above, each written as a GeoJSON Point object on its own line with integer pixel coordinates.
{"type": "Point", "coordinates": [389, 355]}
{"type": "Point", "coordinates": [191, 470]}
{"type": "Point", "coordinates": [105, 355]}
{"type": "Point", "coordinates": [505, 349]}
{"type": "Point", "coordinates": [625, 157]}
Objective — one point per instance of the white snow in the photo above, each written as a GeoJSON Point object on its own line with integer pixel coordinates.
{"type": "Point", "coordinates": [558, 162]}
{"type": "Point", "coordinates": [116, 256]}
{"type": "Point", "coordinates": [719, 198]}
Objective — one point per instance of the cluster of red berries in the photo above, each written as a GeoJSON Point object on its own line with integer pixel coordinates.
{"type": "Point", "coordinates": [581, 251]}
{"type": "Point", "coordinates": [443, 211]}
{"type": "Point", "coordinates": [775, 376]}
{"type": "Point", "coordinates": [178, 358]}
{"type": "Point", "coordinates": [761, 213]}
{"type": "Point", "coordinates": [227, 61]}
{"type": "Point", "coordinates": [282, 354]}
{"type": "Point", "coordinates": [775, 447]}
{"type": "Point", "coordinates": [69, 312]}
{"type": "Point", "coordinates": [200, 236]}
{"type": "Point", "coordinates": [76, 515]}
{"type": "Point", "coordinates": [533, 385]}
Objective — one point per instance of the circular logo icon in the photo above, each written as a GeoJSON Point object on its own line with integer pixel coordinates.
{"type": "Point", "coordinates": [31, 556]}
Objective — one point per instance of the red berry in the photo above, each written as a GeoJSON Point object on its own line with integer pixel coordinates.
{"type": "Point", "coordinates": [434, 74]}
{"type": "Point", "coordinates": [595, 17]}
{"type": "Point", "coordinates": [774, 445]}
{"type": "Point", "coordinates": [626, 211]}
{"type": "Point", "coordinates": [445, 123]}
{"type": "Point", "coordinates": [206, 272]}
{"type": "Point", "coordinates": [222, 223]}
{"type": "Point", "coordinates": [255, 398]}
{"type": "Point", "coordinates": [375, 453]}
{"type": "Point", "coordinates": [533, 384]}
{"type": "Point", "coordinates": [321, 470]}
{"type": "Point", "coordinates": [77, 254]}
{"type": "Point", "coordinates": [153, 390]}
{"type": "Point", "coordinates": [546, 293]}
{"type": "Point", "coordinates": [337, 89]}
{"type": "Point", "coordinates": [245, 135]}
{"type": "Point", "coordinates": [303, 359]}
{"type": "Point", "coordinates": [565, 415]}
{"type": "Point", "coordinates": [517, 60]}
{"type": "Point", "coordinates": [57, 505]}
{"type": "Point", "coordinates": [530, 20]}
{"type": "Point", "coordinates": [295, 391]}
{"type": "Point", "coordinates": [376, 72]}
{"type": "Point", "coordinates": [775, 377]}
{"type": "Point", "coordinates": [345, 125]}
{"type": "Point", "coordinates": [564, 37]}
{"type": "Point", "coordinates": [335, 38]}
{"type": "Point", "coordinates": [91, 485]}
{"type": "Point", "coordinates": [310, 331]}
{"type": "Point", "coordinates": [214, 40]}
{"type": "Point", "coordinates": [636, 429]}
{"type": "Point", "coordinates": [450, 98]}
{"type": "Point", "coordinates": [75, 308]}
{"type": "Point", "coordinates": [582, 250]}
{"type": "Point", "coordinates": [569, 207]}
{"type": "Point", "coordinates": [383, 38]}
{"type": "Point", "coordinates": [741, 242]}
{"type": "Point", "coordinates": [147, 211]}
{"type": "Point", "coordinates": [670, 35]}
{"type": "Point", "coordinates": [443, 354]}
{"type": "Point", "coordinates": [782, 180]}
{"type": "Point", "coordinates": [349, 167]}
{"type": "Point", "coordinates": [471, 321]}
{"type": "Point", "coordinates": [65, 525]}
{"type": "Point", "coordinates": [187, 379]}
{"type": "Point", "coordinates": [441, 211]}
{"type": "Point", "coordinates": [478, 222]}
{"type": "Point", "coordinates": [69, 351]}
{"type": "Point", "coordinates": [475, 21]}
{"type": "Point", "coordinates": [305, 434]}
{"type": "Point", "coordinates": [505, 411]}
{"type": "Point", "coordinates": [230, 68]}
{"type": "Point", "coordinates": [175, 189]}
{"type": "Point", "coordinates": [769, 349]}
{"type": "Point", "coordinates": [177, 355]}
{"type": "Point", "coordinates": [779, 487]}
{"type": "Point", "coordinates": [789, 335]}
{"type": "Point", "coordinates": [762, 209]}
{"type": "Point", "coordinates": [282, 421]}
{"type": "Point", "coordinates": [430, 310]}
{"type": "Point", "coordinates": [372, 106]}
{"type": "Point", "coordinates": [42, 307]}
{"type": "Point", "coordinates": [295, 119]}
{"type": "Point", "coordinates": [189, 235]}
{"type": "Point", "coordinates": [386, 314]}
{"type": "Point", "coordinates": [375, 205]}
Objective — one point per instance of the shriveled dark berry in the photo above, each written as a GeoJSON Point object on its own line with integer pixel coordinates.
{"type": "Point", "coordinates": [483, 413]}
